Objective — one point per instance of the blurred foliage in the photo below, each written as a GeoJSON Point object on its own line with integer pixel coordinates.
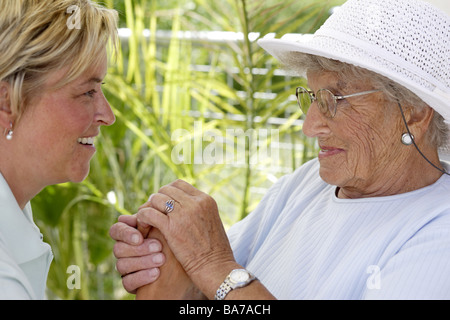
{"type": "Point", "coordinates": [155, 90]}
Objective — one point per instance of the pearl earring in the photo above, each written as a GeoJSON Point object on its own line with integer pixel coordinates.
{"type": "Point", "coordinates": [407, 139]}
{"type": "Point", "coordinates": [10, 133]}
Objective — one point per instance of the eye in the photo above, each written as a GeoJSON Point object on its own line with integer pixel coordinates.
{"type": "Point", "coordinates": [90, 93]}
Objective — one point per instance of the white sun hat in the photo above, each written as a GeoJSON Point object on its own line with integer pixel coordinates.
{"type": "Point", "coordinates": [407, 41]}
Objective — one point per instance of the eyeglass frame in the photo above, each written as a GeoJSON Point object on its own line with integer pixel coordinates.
{"type": "Point", "coordinates": [313, 97]}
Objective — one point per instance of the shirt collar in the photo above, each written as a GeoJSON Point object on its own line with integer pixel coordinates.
{"type": "Point", "coordinates": [17, 229]}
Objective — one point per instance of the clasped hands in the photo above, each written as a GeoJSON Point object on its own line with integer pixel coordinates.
{"type": "Point", "coordinates": [184, 254]}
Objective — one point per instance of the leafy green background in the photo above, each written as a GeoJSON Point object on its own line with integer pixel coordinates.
{"type": "Point", "coordinates": [155, 87]}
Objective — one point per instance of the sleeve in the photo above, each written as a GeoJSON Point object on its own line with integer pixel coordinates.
{"type": "Point", "coordinates": [13, 283]}
{"type": "Point", "coordinates": [420, 269]}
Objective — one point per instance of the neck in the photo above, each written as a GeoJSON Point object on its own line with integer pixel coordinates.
{"type": "Point", "coordinates": [407, 176]}
{"type": "Point", "coordinates": [22, 189]}
{"type": "Point", "coordinates": [20, 180]}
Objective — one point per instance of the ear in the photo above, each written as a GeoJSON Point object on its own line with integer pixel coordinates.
{"type": "Point", "coordinates": [6, 114]}
{"type": "Point", "coordinates": [419, 120]}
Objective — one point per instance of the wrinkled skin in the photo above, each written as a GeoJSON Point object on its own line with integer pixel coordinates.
{"type": "Point", "coordinates": [366, 157]}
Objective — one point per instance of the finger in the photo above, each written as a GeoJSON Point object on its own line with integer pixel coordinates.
{"type": "Point", "coordinates": [126, 266]}
{"type": "Point", "coordinates": [171, 192]}
{"type": "Point", "coordinates": [153, 217]}
{"type": "Point", "coordinates": [139, 279]}
{"type": "Point", "coordinates": [124, 250]}
{"type": "Point", "coordinates": [144, 229]}
{"type": "Point", "coordinates": [146, 204]}
{"type": "Point", "coordinates": [129, 220]}
{"type": "Point", "coordinates": [123, 232]}
{"type": "Point", "coordinates": [159, 202]}
{"type": "Point", "coordinates": [185, 187]}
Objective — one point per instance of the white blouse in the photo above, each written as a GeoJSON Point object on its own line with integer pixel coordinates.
{"type": "Point", "coordinates": [303, 242]}
{"type": "Point", "coordinates": [24, 258]}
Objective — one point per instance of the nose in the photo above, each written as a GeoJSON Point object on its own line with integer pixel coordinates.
{"type": "Point", "coordinates": [315, 123]}
{"type": "Point", "coordinates": [104, 115]}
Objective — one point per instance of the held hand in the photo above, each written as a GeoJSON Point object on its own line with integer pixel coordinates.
{"type": "Point", "coordinates": [139, 259]}
{"type": "Point", "coordinates": [173, 282]}
{"type": "Point", "coordinates": [193, 229]}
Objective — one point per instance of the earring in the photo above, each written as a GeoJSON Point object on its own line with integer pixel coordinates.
{"type": "Point", "coordinates": [10, 133]}
{"type": "Point", "coordinates": [407, 139]}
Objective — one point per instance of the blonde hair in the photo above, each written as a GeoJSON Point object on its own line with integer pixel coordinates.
{"type": "Point", "coordinates": [38, 37]}
{"type": "Point", "coordinates": [394, 92]}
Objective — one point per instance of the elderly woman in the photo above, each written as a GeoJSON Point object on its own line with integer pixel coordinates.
{"type": "Point", "coordinates": [53, 61]}
{"type": "Point", "coordinates": [370, 217]}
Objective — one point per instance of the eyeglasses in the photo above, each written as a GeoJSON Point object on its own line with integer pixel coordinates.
{"type": "Point", "coordinates": [326, 100]}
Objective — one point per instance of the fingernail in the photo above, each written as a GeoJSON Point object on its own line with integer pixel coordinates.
{"type": "Point", "coordinates": [157, 258]}
{"type": "Point", "coordinates": [153, 272]}
{"type": "Point", "coordinates": [154, 247]}
{"type": "Point", "coordinates": [135, 239]}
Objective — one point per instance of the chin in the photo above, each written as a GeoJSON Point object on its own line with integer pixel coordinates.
{"type": "Point", "coordinates": [78, 180]}
{"type": "Point", "coordinates": [79, 175]}
{"type": "Point", "coordinates": [331, 177]}
{"type": "Point", "coordinates": [82, 178]}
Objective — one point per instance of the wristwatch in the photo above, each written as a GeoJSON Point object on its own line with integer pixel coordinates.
{"type": "Point", "coordinates": [237, 278]}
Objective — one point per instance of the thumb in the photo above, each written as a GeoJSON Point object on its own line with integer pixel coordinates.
{"type": "Point", "coordinates": [144, 229]}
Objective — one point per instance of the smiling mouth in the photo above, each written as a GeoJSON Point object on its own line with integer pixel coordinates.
{"type": "Point", "coordinates": [329, 151]}
{"type": "Point", "coordinates": [86, 141]}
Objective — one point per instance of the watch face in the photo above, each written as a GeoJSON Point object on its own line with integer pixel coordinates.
{"type": "Point", "coordinates": [239, 275]}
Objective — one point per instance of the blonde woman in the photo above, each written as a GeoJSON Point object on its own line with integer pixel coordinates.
{"type": "Point", "coordinates": [52, 64]}
{"type": "Point", "coordinates": [369, 218]}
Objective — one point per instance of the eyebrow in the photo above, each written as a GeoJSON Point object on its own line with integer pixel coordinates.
{"type": "Point", "coordinates": [91, 80]}
{"type": "Point", "coordinates": [337, 87]}
{"type": "Point", "coordinates": [341, 84]}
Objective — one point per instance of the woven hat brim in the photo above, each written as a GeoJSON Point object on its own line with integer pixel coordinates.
{"type": "Point", "coordinates": [320, 46]}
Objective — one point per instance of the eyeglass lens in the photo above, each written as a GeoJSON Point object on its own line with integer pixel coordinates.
{"type": "Point", "coordinates": [304, 99]}
{"type": "Point", "coordinates": [325, 100]}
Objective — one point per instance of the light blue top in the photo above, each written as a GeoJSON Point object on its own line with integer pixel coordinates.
{"type": "Point", "coordinates": [303, 242]}
{"type": "Point", "coordinates": [24, 258]}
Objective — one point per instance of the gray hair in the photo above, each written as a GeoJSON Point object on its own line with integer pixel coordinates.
{"type": "Point", "coordinates": [437, 131]}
